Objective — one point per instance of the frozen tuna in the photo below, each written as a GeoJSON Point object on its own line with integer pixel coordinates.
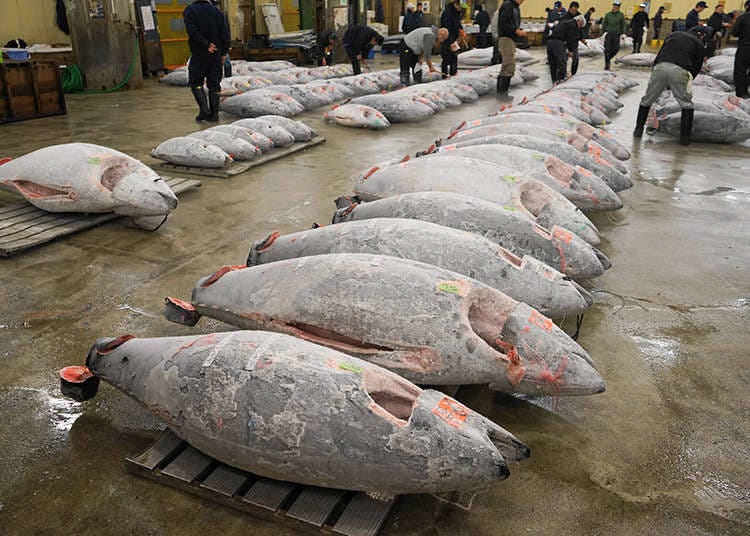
{"type": "Point", "coordinates": [186, 151]}
{"type": "Point", "coordinates": [259, 102]}
{"type": "Point", "coordinates": [642, 59]}
{"type": "Point", "coordinates": [430, 325]}
{"type": "Point", "coordinates": [398, 107]}
{"type": "Point", "coordinates": [556, 247]}
{"type": "Point", "coordinates": [290, 410]}
{"type": "Point", "coordinates": [262, 142]}
{"type": "Point", "coordinates": [357, 115]}
{"type": "Point", "coordinates": [280, 136]}
{"type": "Point", "coordinates": [480, 179]}
{"type": "Point", "coordinates": [298, 129]}
{"type": "Point", "coordinates": [527, 280]}
{"type": "Point", "coordinates": [237, 148]}
{"type": "Point", "coordinates": [81, 177]}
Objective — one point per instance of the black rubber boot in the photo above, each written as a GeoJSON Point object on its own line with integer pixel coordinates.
{"type": "Point", "coordinates": [418, 77]}
{"type": "Point", "coordinates": [213, 100]}
{"type": "Point", "coordinates": [686, 125]}
{"type": "Point", "coordinates": [503, 85]}
{"type": "Point", "coordinates": [641, 121]}
{"type": "Point", "coordinates": [404, 77]}
{"type": "Point", "coordinates": [200, 97]}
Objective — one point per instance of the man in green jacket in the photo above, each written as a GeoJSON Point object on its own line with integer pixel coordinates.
{"type": "Point", "coordinates": [613, 25]}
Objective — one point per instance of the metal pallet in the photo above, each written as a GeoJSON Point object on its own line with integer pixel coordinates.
{"type": "Point", "coordinates": [23, 226]}
{"type": "Point", "coordinates": [240, 167]}
{"type": "Point", "coordinates": [308, 509]}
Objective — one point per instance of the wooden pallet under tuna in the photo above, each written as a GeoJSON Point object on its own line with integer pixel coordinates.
{"type": "Point", "coordinates": [23, 226]}
{"type": "Point", "coordinates": [308, 509]}
{"type": "Point", "coordinates": [240, 167]}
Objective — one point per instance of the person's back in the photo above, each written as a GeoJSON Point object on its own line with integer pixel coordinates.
{"type": "Point", "coordinates": [683, 49]}
{"type": "Point", "coordinates": [451, 20]}
{"type": "Point", "coordinates": [205, 25]}
{"type": "Point", "coordinates": [566, 30]}
{"type": "Point", "coordinates": [741, 30]}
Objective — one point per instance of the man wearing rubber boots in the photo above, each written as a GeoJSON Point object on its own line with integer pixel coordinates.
{"type": "Point", "coordinates": [208, 39]}
{"type": "Point", "coordinates": [415, 46]}
{"type": "Point", "coordinates": [741, 31]}
{"type": "Point", "coordinates": [509, 32]}
{"type": "Point", "coordinates": [677, 63]}
{"type": "Point", "coordinates": [614, 26]}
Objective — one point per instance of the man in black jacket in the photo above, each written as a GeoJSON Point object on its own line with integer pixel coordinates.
{"type": "Point", "coordinates": [482, 19]}
{"type": "Point", "coordinates": [572, 13]}
{"type": "Point", "coordinates": [637, 25]}
{"type": "Point", "coordinates": [358, 41]}
{"type": "Point", "coordinates": [326, 43]}
{"type": "Point", "coordinates": [208, 39]}
{"type": "Point", "coordinates": [717, 24]}
{"type": "Point", "coordinates": [693, 17]}
{"type": "Point", "coordinates": [658, 21]}
{"type": "Point", "coordinates": [677, 63]}
{"type": "Point", "coordinates": [561, 44]}
{"type": "Point", "coordinates": [741, 31]}
{"type": "Point", "coordinates": [508, 33]}
{"type": "Point", "coordinates": [450, 19]}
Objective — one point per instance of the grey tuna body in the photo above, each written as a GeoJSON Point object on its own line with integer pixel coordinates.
{"type": "Point", "coordinates": [556, 247]}
{"type": "Point", "coordinates": [237, 148]}
{"type": "Point", "coordinates": [398, 108]}
{"type": "Point", "coordinates": [485, 180]}
{"type": "Point", "coordinates": [257, 102]}
{"type": "Point", "coordinates": [585, 190]}
{"type": "Point", "coordinates": [527, 280]}
{"type": "Point", "coordinates": [298, 129]}
{"type": "Point", "coordinates": [642, 59]}
{"type": "Point", "coordinates": [81, 177]}
{"type": "Point", "coordinates": [279, 135]}
{"type": "Point", "coordinates": [430, 325]}
{"type": "Point", "coordinates": [264, 143]}
{"type": "Point", "coordinates": [604, 169]}
{"type": "Point", "coordinates": [286, 409]}
{"type": "Point", "coordinates": [358, 116]}
{"type": "Point", "coordinates": [552, 121]}
{"type": "Point", "coordinates": [708, 127]}
{"type": "Point", "coordinates": [193, 152]}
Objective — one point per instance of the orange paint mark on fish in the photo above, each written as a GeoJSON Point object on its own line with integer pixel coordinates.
{"type": "Point", "coordinates": [536, 319]}
{"type": "Point", "coordinates": [221, 272]}
{"type": "Point", "coordinates": [562, 234]}
{"type": "Point", "coordinates": [451, 411]}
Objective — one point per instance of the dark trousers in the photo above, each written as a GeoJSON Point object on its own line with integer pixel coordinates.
{"type": "Point", "coordinates": [611, 47]}
{"type": "Point", "coordinates": [557, 57]}
{"type": "Point", "coordinates": [483, 38]}
{"type": "Point", "coordinates": [637, 40]}
{"type": "Point", "coordinates": [449, 66]}
{"type": "Point", "coordinates": [356, 69]}
{"type": "Point", "coordinates": [496, 58]}
{"type": "Point", "coordinates": [741, 68]}
{"type": "Point", "coordinates": [407, 60]}
{"type": "Point", "coordinates": [657, 29]}
{"type": "Point", "coordinates": [205, 67]}
{"type": "Point", "coordinates": [574, 62]}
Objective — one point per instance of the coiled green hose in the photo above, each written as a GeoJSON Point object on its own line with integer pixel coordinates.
{"type": "Point", "coordinates": [72, 78]}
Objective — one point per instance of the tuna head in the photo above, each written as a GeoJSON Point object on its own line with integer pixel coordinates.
{"type": "Point", "coordinates": [585, 190]}
{"type": "Point", "coordinates": [542, 359]}
{"type": "Point", "coordinates": [137, 190]}
{"type": "Point", "coordinates": [550, 208]}
{"type": "Point", "coordinates": [578, 259]}
{"type": "Point", "coordinates": [566, 298]}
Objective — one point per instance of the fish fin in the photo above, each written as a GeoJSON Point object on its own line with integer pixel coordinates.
{"type": "Point", "coordinates": [149, 223]}
{"type": "Point", "coordinates": [346, 201]}
{"type": "Point", "coordinates": [32, 190]}
{"type": "Point", "coordinates": [381, 496]}
{"type": "Point", "coordinates": [180, 312]}
{"type": "Point", "coordinates": [5, 160]}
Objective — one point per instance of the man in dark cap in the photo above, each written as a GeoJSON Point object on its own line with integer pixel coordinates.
{"type": "Point", "coordinates": [637, 25]}
{"type": "Point", "coordinates": [208, 39]}
{"type": "Point", "coordinates": [741, 31]}
{"type": "Point", "coordinates": [613, 25]}
{"type": "Point", "coordinates": [358, 41]}
{"type": "Point", "coordinates": [693, 18]}
{"type": "Point", "coordinates": [677, 63]}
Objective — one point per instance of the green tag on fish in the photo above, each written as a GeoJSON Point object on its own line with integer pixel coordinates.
{"type": "Point", "coordinates": [508, 207]}
{"type": "Point", "coordinates": [350, 367]}
{"type": "Point", "coordinates": [95, 160]}
{"type": "Point", "coordinates": [451, 288]}
{"type": "Point", "coordinates": [509, 178]}
{"type": "Point", "coordinates": [537, 156]}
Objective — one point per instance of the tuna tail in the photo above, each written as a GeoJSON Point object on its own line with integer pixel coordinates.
{"type": "Point", "coordinates": [259, 246]}
{"type": "Point", "coordinates": [345, 201]}
{"type": "Point", "coordinates": [342, 213]}
{"type": "Point", "coordinates": [78, 383]}
{"type": "Point", "coordinates": [180, 312]}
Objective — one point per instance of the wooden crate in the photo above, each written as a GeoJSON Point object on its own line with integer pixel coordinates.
{"type": "Point", "coordinates": [29, 90]}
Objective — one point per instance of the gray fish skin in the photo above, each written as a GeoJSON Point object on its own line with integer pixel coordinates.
{"type": "Point", "coordinates": [277, 134]}
{"type": "Point", "coordinates": [427, 324]}
{"type": "Point", "coordinates": [708, 127]}
{"type": "Point", "coordinates": [557, 247]}
{"type": "Point", "coordinates": [548, 108]}
{"type": "Point", "coordinates": [290, 410]}
{"type": "Point", "coordinates": [550, 121]}
{"type": "Point", "coordinates": [396, 108]}
{"type": "Point", "coordinates": [82, 177]}
{"type": "Point", "coordinates": [237, 148]}
{"type": "Point", "coordinates": [358, 116]}
{"type": "Point", "coordinates": [527, 280]}
{"type": "Point", "coordinates": [298, 129]}
{"type": "Point", "coordinates": [642, 59]}
{"type": "Point", "coordinates": [262, 142]}
{"type": "Point", "coordinates": [597, 165]}
{"type": "Point", "coordinates": [185, 151]}
{"type": "Point", "coordinates": [567, 101]}
{"type": "Point", "coordinates": [585, 190]}
{"type": "Point", "coordinates": [485, 180]}
{"type": "Point", "coordinates": [257, 102]}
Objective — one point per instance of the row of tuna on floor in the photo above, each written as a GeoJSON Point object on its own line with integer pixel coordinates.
{"type": "Point", "coordinates": [430, 280]}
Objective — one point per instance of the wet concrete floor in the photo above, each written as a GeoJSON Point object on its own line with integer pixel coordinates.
{"type": "Point", "coordinates": [666, 450]}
